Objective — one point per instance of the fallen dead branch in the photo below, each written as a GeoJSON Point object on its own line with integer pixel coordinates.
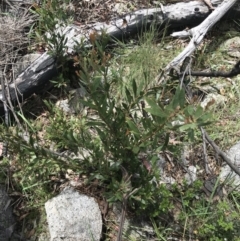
{"type": "Point", "coordinates": [37, 75]}
{"type": "Point", "coordinates": [205, 157]}
{"type": "Point", "coordinates": [197, 33]}
{"type": "Point", "coordinates": [222, 154]}
{"type": "Point", "coordinates": [233, 72]}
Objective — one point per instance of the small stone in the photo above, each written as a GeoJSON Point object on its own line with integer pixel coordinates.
{"type": "Point", "coordinates": [191, 176]}
{"type": "Point", "coordinates": [73, 217]}
{"type": "Point", "coordinates": [213, 100]}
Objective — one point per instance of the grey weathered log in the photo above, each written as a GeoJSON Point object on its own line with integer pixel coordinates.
{"type": "Point", "coordinates": [38, 74]}
{"type": "Point", "coordinates": [32, 80]}
{"type": "Point", "coordinates": [197, 33]}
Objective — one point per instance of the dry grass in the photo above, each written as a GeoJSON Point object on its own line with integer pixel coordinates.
{"type": "Point", "coordinates": [15, 23]}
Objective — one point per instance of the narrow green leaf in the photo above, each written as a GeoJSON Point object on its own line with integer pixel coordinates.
{"type": "Point", "coordinates": [187, 127]}
{"type": "Point", "coordinates": [135, 149]}
{"type": "Point", "coordinates": [155, 109]}
{"type": "Point", "coordinates": [95, 123]}
{"type": "Point", "coordinates": [89, 104]}
{"type": "Point", "coordinates": [166, 141]}
{"type": "Point", "coordinates": [199, 112]}
{"type": "Point", "coordinates": [128, 95]}
{"type": "Point", "coordinates": [101, 133]}
{"type": "Point", "coordinates": [26, 121]}
{"type": "Point", "coordinates": [147, 123]}
{"type": "Point", "coordinates": [134, 86]}
{"type": "Point", "coordinates": [205, 118]}
{"type": "Point", "coordinates": [181, 98]}
{"type": "Point", "coordinates": [175, 100]}
{"type": "Point", "coordinates": [191, 134]}
{"type": "Point", "coordinates": [178, 99]}
{"type": "Point", "coordinates": [125, 106]}
{"type": "Point", "coordinates": [70, 136]}
{"type": "Point", "coordinates": [189, 111]}
{"type": "Point", "coordinates": [133, 127]}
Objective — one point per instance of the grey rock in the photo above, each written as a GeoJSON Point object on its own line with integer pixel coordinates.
{"type": "Point", "coordinates": [44, 235]}
{"type": "Point", "coordinates": [226, 171]}
{"type": "Point", "coordinates": [64, 106]}
{"type": "Point", "coordinates": [213, 100]}
{"type": "Point", "coordinates": [138, 230]}
{"type": "Point", "coordinates": [231, 47]}
{"type": "Point", "coordinates": [191, 175]}
{"type": "Point", "coordinates": [120, 8]}
{"type": "Point", "coordinates": [7, 222]}
{"type": "Point", "coordinates": [73, 217]}
{"type": "Point", "coordinates": [216, 86]}
{"type": "Point", "coordinates": [161, 163]}
{"type": "Point", "coordinates": [185, 154]}
{"type": "Point", "coordinates": [73, 105]}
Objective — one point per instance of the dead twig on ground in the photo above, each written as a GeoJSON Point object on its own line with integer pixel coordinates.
{"type": "Point", "coordinates": [197, 34]}
{"type": "Point", "coordinates": [126, 178]}
{"type": "Point", "coordinates": [233, 72]}
{"type": "Point", "coordinates": [205, 157]}
{"type": "Point", "coordinates": [222, 154]}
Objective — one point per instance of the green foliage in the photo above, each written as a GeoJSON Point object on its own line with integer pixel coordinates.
{"type": "Point", "coordinates": [117, 139]}
{"type": "Point", "coordinates": [31, 167]}
{"type": "Point", "coordinates": [118, 132]}
{"type": "Point", "coordinates": [203, 218]}
{"type": "Point", "coordinates": [53, 17]}
{"type": "Point", "coordinates": [222, 223]}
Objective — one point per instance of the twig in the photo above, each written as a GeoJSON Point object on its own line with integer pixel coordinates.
{"type": "Point", "coordinates": [197, 34]}
{"type": "Point", "coordinates": [5, 144]}
{"type": "Point", "coordinates": [233, 72]}
{"type": "Point", "coordinates": [205, 157]}
{"type": "Point", "coordinates": [222, 154]}
{"type": "Point", "coordinates": [123, 213]}
{"type": "Point", "coordinates": [126, 178]}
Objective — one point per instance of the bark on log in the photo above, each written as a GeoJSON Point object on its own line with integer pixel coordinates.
{"type": "Point", "coordinates": [38, 74]}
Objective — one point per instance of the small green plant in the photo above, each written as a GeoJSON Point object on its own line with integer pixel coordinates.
{"type": "Point", "coordinates": [220, 223]}
{"type": "Point", "coordinates": [204, 219]}
{"type": "Point", "coordinates": [53, 17]}
{"type": "Point", "coordinates": [129, 133]}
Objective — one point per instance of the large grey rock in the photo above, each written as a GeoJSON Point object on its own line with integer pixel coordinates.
{"type": "Point", "coordinates": [226, 171]}
{"type": "Point", "coordinates": [7, 221]}
{"type": "Point", "coordinates": [73, 217]}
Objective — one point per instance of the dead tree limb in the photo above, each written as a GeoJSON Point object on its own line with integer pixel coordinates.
{"type": "Point", "coordinates": [233, 72]}
{"type": "Point", "coordinates": [222, 154]}
{"type": "Point", "coordinates": [38, 74]}
{"type": "Point", "coordinates": [205, 156]}
{"type": "Point", "coordinates": [197, 33]}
